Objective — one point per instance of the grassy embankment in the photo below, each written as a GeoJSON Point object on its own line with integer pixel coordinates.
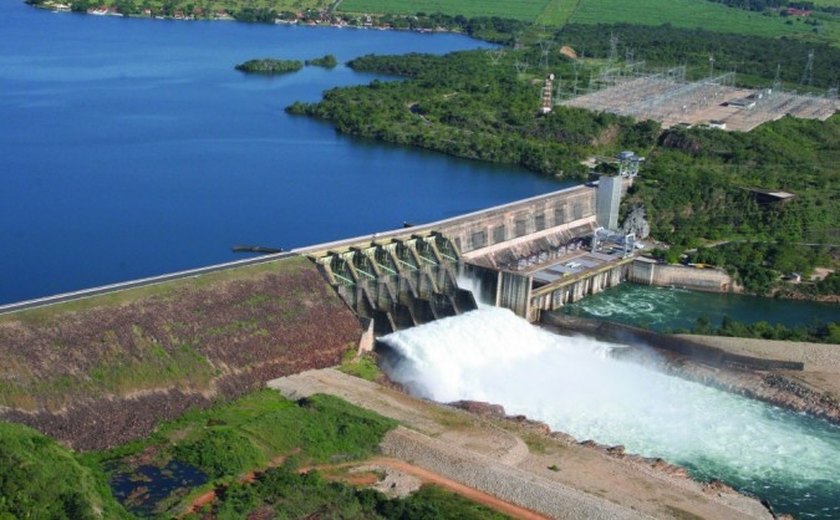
{"type": "Point", "coordinates": [167, 346]}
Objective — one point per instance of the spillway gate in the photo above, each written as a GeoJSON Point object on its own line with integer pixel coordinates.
{"type": "Point", "coordinates": [399, 282]}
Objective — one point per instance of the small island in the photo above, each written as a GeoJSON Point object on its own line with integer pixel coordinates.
{"type": "Point", "coordinates": [328, 62]}
{"type": "Point", "coordinates": [270, 66]}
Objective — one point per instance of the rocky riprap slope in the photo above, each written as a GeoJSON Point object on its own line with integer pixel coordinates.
{"type": "Point", "coordinates": [96, 373]}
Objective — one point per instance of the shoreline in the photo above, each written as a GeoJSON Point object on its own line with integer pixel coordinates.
{"type": "Point", "coordinates": [57, 7]}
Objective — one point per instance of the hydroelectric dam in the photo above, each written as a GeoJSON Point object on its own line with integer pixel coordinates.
{"type": "Point", "coordinates": [280, 314]}
{"type": "Point", "coordinates": [530, 256]}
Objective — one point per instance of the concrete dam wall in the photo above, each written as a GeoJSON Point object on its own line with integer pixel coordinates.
{"type": "Point", "coordinates": [408, 277]}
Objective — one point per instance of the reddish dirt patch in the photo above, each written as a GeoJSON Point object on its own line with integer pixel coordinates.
{"type": "Point", "coordinates": [568, 52]}
{"type": "Point", "coordinates": [358, 479]}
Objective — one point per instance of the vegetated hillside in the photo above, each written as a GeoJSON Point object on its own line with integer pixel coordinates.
{"type": "Point", "coordinates": [100, 371]}
{"type": "Point", "coordinates": [464, 105]}
{"type": "Point", "coordinates": [43, 480]}
{"type": "Point", "coordinates": [693, 187]}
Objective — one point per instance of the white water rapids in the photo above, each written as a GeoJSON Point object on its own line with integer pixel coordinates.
{"type": "Point", "coordinates": [576, 387]}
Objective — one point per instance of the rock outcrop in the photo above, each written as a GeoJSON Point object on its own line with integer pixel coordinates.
{"type": "Point", "coordinates": [636, 222]}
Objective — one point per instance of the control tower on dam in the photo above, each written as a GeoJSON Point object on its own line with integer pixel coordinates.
{"type": "Point", "coordinates": [530, 255]}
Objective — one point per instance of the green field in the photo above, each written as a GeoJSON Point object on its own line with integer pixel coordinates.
{"type": "Point", "coordinates": [520, 9]}
{"type": "Point", "coordinates": [703, 14]}
{"type": "Point", "coordinates": [685, 13]}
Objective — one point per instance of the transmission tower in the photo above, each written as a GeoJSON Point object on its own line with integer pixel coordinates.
{"type": "Point", "coordinates": [808, 73]}
{"type": "Point", "coordinates": [613, 47]}
{"type": "Point", "coordinates": [496, 56]}
{"type": "Point", "coordinates": [711, 66]}
{"type": "Point", "coordinates": [545, 52]}
{"type": "Point", "coordinates": [777, 81]}
{"type": "Point", "coordinates": [521, 67]}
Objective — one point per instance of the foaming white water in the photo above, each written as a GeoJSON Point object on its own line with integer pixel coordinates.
{"type": "Point", "coordinates": [468, 281]}
{"type": "Point", "coordinates": [570, 383]}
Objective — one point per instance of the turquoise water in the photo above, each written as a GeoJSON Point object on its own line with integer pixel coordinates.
{"type": "Point", "coordinates": [665, 308]}
{"type": "Point", "coordinates": [572, 384]}
{"type": "Point", "coordinates": [130, 147]}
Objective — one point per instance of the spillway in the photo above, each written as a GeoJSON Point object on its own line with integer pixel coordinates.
{"type": "Point", "coordinates": [577, 387]}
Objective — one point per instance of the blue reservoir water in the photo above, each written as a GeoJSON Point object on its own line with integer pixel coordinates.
{"type": "Point", "coordinates": [130, 147]}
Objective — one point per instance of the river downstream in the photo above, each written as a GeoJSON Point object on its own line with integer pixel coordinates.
{"type": "Point", "coordinates": [574, 386]}
{"type": "Point", "coordinates": [130, 147]}
{"type": "Point", "coordinates": [667, 308]}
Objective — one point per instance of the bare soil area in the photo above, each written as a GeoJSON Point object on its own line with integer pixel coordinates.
{"type": "Point", "coordinates": [523, 463]}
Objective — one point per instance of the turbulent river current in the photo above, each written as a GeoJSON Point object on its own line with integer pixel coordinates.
{"type": "Point", "coordinates": [574, 385]}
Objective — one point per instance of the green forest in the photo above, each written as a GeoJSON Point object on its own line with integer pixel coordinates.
{"type": "Point", "coordinates": [269, 66]}
{"type": "Point", "coordinates": [819, 333]}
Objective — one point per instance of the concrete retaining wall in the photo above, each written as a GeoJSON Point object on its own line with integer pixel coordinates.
{"type": "Point", "coordinates": [648, 272]}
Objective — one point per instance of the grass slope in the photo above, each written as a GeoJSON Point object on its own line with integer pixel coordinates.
{"type": "Point", "coordinates": [41, 479]}
{"type": "Point", "coordinates": [521, 9]}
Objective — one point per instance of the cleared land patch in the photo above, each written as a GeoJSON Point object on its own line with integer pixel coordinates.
{"type": "Point", "coordinates": [522, 9]}
{"type": "Point", "coordinates": [558, 12]}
